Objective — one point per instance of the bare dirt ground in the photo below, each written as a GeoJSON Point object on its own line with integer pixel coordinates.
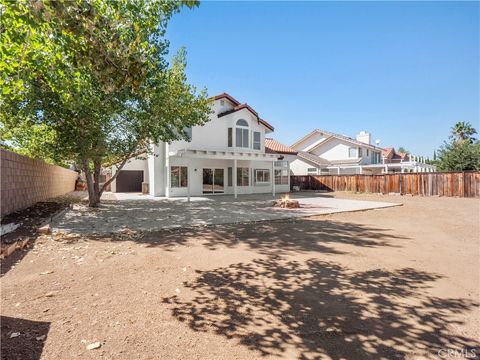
{"type": "Point", "coordinates": [395, 283]}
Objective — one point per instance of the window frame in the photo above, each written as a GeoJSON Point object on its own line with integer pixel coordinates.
{"type": "Point", "coordinates": [263, 182]}
{"type": "Point", "coordinates": [189, 132]}
{"type": "Point", "coordinates": [182, 177]}
{"type": "Point", "coordinates": [242, 133]}
{"type": "Point", "coordinates": [281, 179]}
{"type": "Point", "coordinates": [255, 142]}
{"type": "Point", "coordinates": [242, 175]}
{"type": "Point", "coordinates": [353, 150]}
{"type": "Point", "coordinates": [230, 137]}
{"type": "Point", "coordinates": [230, 176]}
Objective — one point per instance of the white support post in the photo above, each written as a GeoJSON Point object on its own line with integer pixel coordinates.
{"type": "Point", "coordinates": [167, 171]}
{"type": "Point", "coordinates": [234, 180]}
{"type": "Point", "coordinates": [188, 183]}
{"type": "Point", "coordinates": [272, 177]}
{"type": "Point", "coordinates": [288, 174]}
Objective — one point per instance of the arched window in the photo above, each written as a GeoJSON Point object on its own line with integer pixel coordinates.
{"type": "Point", "coordinates": [242, 122]}
{"type": "Point", "coordinates": [241, 134]}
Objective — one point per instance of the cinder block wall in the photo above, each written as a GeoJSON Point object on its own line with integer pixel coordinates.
{"type": "Point", "coordinates": [25, 181]}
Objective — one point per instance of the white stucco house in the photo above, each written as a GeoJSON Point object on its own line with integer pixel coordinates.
{"type": "Point", "coordinates": [227, 155]}
{"type": "Point", "coordinates": [325, 153]}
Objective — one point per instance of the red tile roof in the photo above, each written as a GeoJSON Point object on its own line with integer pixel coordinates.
{"type": "Point", "coordinates": [390, 154]}
{"type": "Point", "coordinates": [266, 124]}
{"type": "Point", "coordinates": [227, 96]}
{"type": "Point", "coordinates": [238, 106]}
{"type": "Point", "coordinates": [272, 146]}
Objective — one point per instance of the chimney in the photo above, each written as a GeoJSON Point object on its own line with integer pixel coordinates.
{"type": "Point", "coordinates": [364, 137]}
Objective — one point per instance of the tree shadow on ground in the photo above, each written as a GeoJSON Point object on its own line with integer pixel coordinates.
{"type": "Point", "coordinates": [279, 237]}
{"type": "Point", "coordinates": [274, 305]}
{"type": "Point", "coordinates": [28, 345]}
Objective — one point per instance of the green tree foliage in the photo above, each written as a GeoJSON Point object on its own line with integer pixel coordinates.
{"type": "Point", "coordinates": [463, 131]}
{"type": "Point", "coordinates": [462, 153]}
{"type": "Point", "coordinates": [87, 81]}
{"type": "Point", "coordinates": [401, 149]}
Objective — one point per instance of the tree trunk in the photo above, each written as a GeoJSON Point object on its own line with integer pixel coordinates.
{"type": "Point", "coordinates": [92, 186]}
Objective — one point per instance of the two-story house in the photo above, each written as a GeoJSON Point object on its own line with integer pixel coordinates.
{"type": "Point", "coordinates": [324, 152]}
{"type": "Point", "coordinates": [227, 155]}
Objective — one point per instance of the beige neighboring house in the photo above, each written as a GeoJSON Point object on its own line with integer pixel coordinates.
{"type": "Point", "coordinates": [325, 153]}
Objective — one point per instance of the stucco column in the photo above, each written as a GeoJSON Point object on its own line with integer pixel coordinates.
{"type": "Point", "coordinates": [234, 180]}
{"type": "Point", "coordinates": [156, 176]}
{"type": "Point", "coordinates": [167, 171]}
{"type": "Point", "coordinates": [272, 177]}
{"type": "Point", "coordinates": [188, 182]}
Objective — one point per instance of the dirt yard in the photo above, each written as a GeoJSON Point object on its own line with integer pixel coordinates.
{"type": "Point", "coordinates": [395, 283]}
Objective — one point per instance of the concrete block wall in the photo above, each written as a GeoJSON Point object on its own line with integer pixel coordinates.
{"type": "Point", "coordinates": [25, 181]}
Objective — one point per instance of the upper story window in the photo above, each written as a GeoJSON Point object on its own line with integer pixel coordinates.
{"type": "Point", "coordinates": [360, 153]}
{"type": "Point", "coordinates": [352, 152]}
{"type": "Point", "coordinates": [256, 140]}
{"type": "Point", "coordinates": [188, 131]}
{"type": "Point", "coordinates": [241, 133]}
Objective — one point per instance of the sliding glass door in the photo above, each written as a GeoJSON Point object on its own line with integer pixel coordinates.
{"type": "Point", "coordinates": [213, 181]}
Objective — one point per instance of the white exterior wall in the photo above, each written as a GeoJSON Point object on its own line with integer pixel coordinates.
{"type": "Point", "coordinates": [195, 176]}
{"type": "Point", "coordinates": [214, 134]}
{"type": "Point", "coordinates": [309, 143]}
{"type": "Point", "coordinates": [300, 167]}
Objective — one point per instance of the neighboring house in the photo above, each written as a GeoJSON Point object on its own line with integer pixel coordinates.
{"type": "Point", "coordinates": [227, 155]}
{"type": "Point", "coordinates": [325, 153]}
{"type": "Point", "coordinates": [403, 162]}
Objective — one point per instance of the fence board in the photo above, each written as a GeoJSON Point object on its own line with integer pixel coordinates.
{"type": "Point", "coordinates": [459, 184]}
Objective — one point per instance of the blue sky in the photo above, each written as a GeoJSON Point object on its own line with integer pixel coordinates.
{"type": "Point", "coordinates": [404, 71]}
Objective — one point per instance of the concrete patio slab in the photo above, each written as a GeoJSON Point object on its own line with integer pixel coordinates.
{"type": "Point", "coordinates": [146, 213]}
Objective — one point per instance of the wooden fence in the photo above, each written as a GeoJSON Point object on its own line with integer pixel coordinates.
{"type": "Point", "coordinates": [461, 184]}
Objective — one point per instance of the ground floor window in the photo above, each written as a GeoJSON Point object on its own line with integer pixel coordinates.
{"type": "Point", "coordinates": [281, 177]}
{"type": "Point", "coordinates": [178, 176]}
{"type": "Point", "coordinates": [312, 171]}
{"type": "Point", "coordinates": [230, 176]}
{"type": "Point", "coordinates": [242, 176]}
{"type": "Point", "coordinates": [262, 176]}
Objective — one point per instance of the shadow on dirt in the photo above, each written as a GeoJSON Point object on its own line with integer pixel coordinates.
{"type": "Point", "coordinates": [23, 339]}
{"type": "Point", "coordinates": [317, 307]}
{"type": "Point", "coordinates": [279, 237]}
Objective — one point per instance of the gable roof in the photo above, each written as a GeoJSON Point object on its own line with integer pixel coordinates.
{"type": "Point", "coordinates": [272, 146]}
{"type": "Point", "coordinates": [390, 154]}
{"type": "Point", "coordinates": [238, 106]}
{"type": "Point", "coordinates": [228, 97]}
{"type": "Point", "coordinates": [334, 135]}
{"type": "Point", "coordinates": [317, 160]}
